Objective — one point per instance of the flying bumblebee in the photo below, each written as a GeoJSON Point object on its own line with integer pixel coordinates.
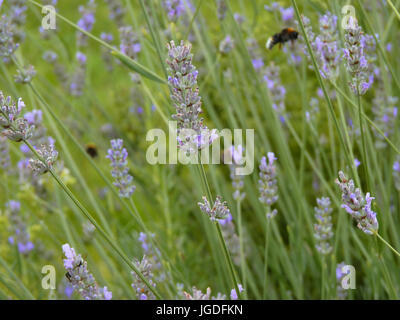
{"type": "Point", "coordinates": [91, 149]}
{"type": "Point", "coordinates": [285, 35]}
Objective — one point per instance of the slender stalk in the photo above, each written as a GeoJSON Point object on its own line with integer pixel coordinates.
{"type": "Point", "coordinates": [387, 244]}
{"type": "Point", "coordinates": [241, 240]}
{"type": "Point", "coordinates": [266, 246]}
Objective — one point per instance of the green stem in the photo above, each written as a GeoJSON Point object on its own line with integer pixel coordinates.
{"type": "Point", "coordinates": [387, 244]}
{"type": "Point", "coordinates": [267, 235]}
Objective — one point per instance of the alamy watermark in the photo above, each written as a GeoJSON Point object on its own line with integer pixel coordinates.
{"type": "Point", "coordinates": [187, 146]}
{"type": "Point", "coordinates": [49, 20]}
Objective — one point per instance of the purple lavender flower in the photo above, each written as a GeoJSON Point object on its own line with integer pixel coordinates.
{"type": "Point", "coordinates": [86, 22]}
{"type": "Point", "coordinates": [356, 60]}
{"type": "Point", "coordinates": [119, 163]}
{"type": "Point", "coordinates": [130, 45]}
{"type": "Point", "coordinates": [396, 173]}
{"type": "Point", "coordinates": [358, 206]}
{"type": "Point", "coordinates": [81, 279]}
{"type": "Point", "coordinates": [234, 295]}
{"type": "Point", "coordinates": [138, 285]}
{"type": "Point", "coordinates": [21, 237]}
{"type": "Point", "coordinates": [12, 125]}
{"type": "Point", "coordinates": [192, 134]}
{"type": "Point", "coordinates": [174, 8]}
{"type": "Point", "coordinates": [267, 184]}
{"type": "Point", "coordinates": [117, 11]}
{"type": "Point", "coordinates": [326, 47]}
{"type": "Point", "coordinates": [77, 82]}
{"type": "Point", "coordinates": [226, 45]}
{"type": "Point", "coordinates": [48, 155]}
{"type": "Point", "coordinates": [218, 211]}
{"type": "Point", "coordinates": [276, 89]}
{"type": "Point", "coordinates": [105, 52]}
{"type": "Point", "coordinates": [323, 228]}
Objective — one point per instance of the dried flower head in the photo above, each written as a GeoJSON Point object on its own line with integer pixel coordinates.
{"type": "Point", "coordinates": [218, 211]}
{"type": "Point", "coordinates": [358, 206]}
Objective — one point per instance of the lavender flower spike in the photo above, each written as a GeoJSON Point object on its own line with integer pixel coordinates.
{"type": "Point", "coordinates": [267, 184]}
{"type": "Point", "coordinates": [323, 227]}
{"type": "Point", "coordinates": [192, 134]}
{"type": "Point", "coordinates": [219, 210]}
{"type": "Point", "coordinates": [81, 279]}
{"type": "Point", "coordinates": [119, 163]}
{"type": "Point", "coordinates": [354, 55]}
{"type": "Point", "coordinates": [358, 207]}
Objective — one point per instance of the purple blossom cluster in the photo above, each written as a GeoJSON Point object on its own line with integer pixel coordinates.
{"type": "Point", "coordinates": [119, 163]}
{"type": "Point", "coordinates": [276, 89]}
{"type": "Point", "coordinates": [145, 267]}
{"type": "Point", "coordinates": [80, 278]}
{"type": "Point", "coordinates": [12, 125]}
{"type": "Point", "coordinates": [325, 46]}
{"type": "Point", "coordinates": [77, 81]}
{"type": "Point", "coordinates": [174, 9]}
{"type": "Point", "coordinates": [117, 12]}
{"type": "Point", "coordinates": [129, 45]}
{"type": "Point", "coordinates": [21, 236]}
{"type": "Point", "coordinates": [323, 228]}
{"type": "Point", "coordinates": [86, 22]}
{"type": "Point", "coordinates": [358, 206]}
{"type": "Point", "coordinates": [267, 184]}
{"type": "Point", "coordinates": [192, 134]}
{"type": "Point", "coordinates": [396, 173]}
{"type": "Point", "coordinates": [356, 61]}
